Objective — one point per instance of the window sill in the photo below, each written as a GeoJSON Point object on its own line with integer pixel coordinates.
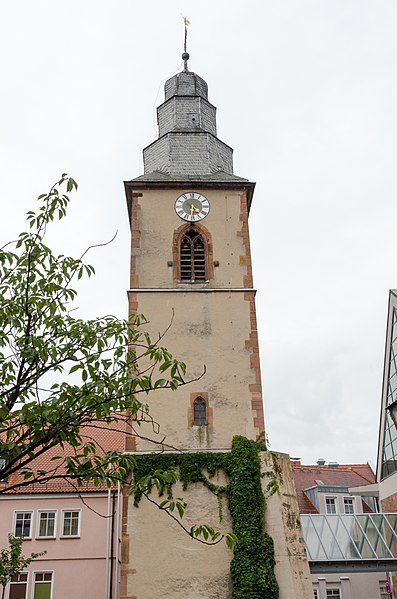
{"type": "Point", "coordinates": [184, 283]}
{"type": "Point", "coordinates": [69, 537]}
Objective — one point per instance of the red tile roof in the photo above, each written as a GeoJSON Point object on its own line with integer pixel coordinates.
{"type": "Point", "coordinates": [105, 436]}
{"type": "Point", "coordinates": [344, 475]}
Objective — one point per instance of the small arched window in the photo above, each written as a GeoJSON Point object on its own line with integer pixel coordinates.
{"type": "Point", "coordinates": [199, 412]}
{"type": "Point", "coordinates": [192, 256]}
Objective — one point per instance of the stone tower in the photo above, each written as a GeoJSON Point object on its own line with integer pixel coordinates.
{"type": "Point", "coordinates": [191, 271]}
{"type": "Point", "coordinates": [191, 257]}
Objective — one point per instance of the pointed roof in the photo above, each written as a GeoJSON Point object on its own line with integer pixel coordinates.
{"type": "Point", "coordinates": [187, 144]}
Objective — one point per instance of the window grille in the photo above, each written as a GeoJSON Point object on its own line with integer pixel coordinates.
{"type": "Point", "coordinates": [330, 505]}
{"type": "Point", "coordinates": [199, 412]}
{"type": "Point", "coordinates": [348, 505]}
{"type": "Point", "coordinates": [70, 524]}
{"type": "Point", "coordinates": [192, 257]}
{"type": "Point", "coordinates": [18, 584]}
{"type": "Point", "coordinates": [42, 585]}
{"type": "Point", "coordinates": [46, 524]}
{"type": "Point", "coordinates": [333, 593]}
{"type": "Point", "coordinates": [23, 522]}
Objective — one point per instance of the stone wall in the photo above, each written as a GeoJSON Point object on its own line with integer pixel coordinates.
{"type": "Point", "coordinates": [282, 521]}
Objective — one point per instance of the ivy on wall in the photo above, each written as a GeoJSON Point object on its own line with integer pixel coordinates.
{"type": "Point", "coordinates": [252, 566]}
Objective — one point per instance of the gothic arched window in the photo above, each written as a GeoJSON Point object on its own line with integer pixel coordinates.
{"type": "Point", "coordinates": [192, 256]}
{"type": "Point", "coordinates": [199, 412]}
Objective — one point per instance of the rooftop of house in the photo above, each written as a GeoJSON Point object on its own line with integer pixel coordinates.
{"type": "Point", "coordinates": [331, 475]}
{"type": "Point", "coordinates": [105, 436]}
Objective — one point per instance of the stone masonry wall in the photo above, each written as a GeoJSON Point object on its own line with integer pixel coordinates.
{"type": "Point", "coordinates": [283, 524]}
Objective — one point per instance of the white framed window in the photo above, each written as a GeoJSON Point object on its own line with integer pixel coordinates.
{"type": "Point", "coordinates": [348, 505]}
{"type": "Point", "coordinates": [70, 523]}
{"type": "Point", "coordinates": [333, 593]}
{"type": "Point", "coordinates": [23, 524]}
{"type": "Point", "coordinates": [46, 521]}
{"type": "Point", "coordinates": [42, 585]}
{"type": "Point", "coordinates": [18, 586]}
{"type": "Point", "coordinates": [330, 505]}
{"type": "Point", "coordinates": [384, 588]}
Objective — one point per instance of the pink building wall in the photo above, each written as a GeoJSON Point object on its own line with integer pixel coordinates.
{"type": "Point", "coordinates": [79, 564]}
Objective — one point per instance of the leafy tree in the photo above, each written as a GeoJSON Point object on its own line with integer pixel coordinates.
{"type": "Point", "coordinates": [12, 562]}
{"type": "Point", "coordinates": [60, 373]}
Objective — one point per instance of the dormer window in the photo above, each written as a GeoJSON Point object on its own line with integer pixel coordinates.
{"type": "Point", "coordinates": [330, 505]}
{"type": "Point", "coordinates": [348, 505]}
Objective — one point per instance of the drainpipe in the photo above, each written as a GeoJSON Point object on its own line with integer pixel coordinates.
{"type": "Point", "coordinates": [107, 547]}
{"type": "Point", "coordinates": [116, 571]}
{"type": "Point", "coordinates": [112, 548]}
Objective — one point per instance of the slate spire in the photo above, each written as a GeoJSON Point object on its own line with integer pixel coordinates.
{"type": "Point", "coordinates": [187, 143]}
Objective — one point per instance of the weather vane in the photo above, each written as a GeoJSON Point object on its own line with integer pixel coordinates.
{"type": "Point", "coordinates": [185, 55]}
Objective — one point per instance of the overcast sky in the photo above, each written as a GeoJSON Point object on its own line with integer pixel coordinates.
{"type": "Point", "coordinates": [306, 92]}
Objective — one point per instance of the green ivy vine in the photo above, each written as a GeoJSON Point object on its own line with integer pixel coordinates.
{"type": "Point", "coordinates": [252, 566]}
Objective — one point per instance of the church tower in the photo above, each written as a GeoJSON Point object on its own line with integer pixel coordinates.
{"type": "Point", "coordinates": [191, 264]}
{"type": "Point", "coordinates": [191, 276]}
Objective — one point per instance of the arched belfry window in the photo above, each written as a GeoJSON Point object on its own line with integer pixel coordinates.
{"type": "Point", "coordinates": [192, 254]}
{"type": "Point", "coordinates": [199, 412]}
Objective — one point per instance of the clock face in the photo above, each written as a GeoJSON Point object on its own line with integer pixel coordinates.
{"type": "Point", "coordinates": [192, 206]}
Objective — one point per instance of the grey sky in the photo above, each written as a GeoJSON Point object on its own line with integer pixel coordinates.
{"type": "Point", "coordinates": [306, 93]}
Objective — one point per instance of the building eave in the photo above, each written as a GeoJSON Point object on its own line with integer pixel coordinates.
{"type": "Point", "coordinates": [365, 490]}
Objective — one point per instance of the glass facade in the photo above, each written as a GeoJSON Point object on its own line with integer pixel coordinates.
{"type": "Point", "coordinates": [389, 458]}
{"type": "Point", "coordinates": [350, 536]}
